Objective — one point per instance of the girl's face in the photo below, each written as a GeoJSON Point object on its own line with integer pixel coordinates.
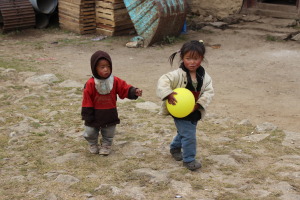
{"type": "Point", "coordinates": [103, 68]}
{"type": "Point", "coordinates": [192, 61]}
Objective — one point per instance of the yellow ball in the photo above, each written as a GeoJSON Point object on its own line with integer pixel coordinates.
{"type": "Point", "coordinates": [185, 103]}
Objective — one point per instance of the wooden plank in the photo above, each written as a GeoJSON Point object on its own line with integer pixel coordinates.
{"type": "Point", "coordinates": [77, 2]}
{"type": "Point", "coordinates": [76, 13]}
{"type": "Point", "coordinates": [113, 12]}
{"type": "Point", "coordinates": [115, 15]}
{"type": "Point", "coordinates": [114, 33]}
{"type": "Point", "coordinates": [76, 27]}
{"type": "Point", "coordinates": [113, 23]}
{"type": "Point", "coordinates": [77, 20]}
{"type": "Point", "coordinates": [117, 28]}
{"type": "Point", "coordinates": [112, 17]}
{"type": "Point", "coordinates": [112, 1]}
{"type": "Point", "coordinates": [102, 31]}
{"type": "Point", "coordinates": [78, 7]}
{"type": "Point", "coordinates": [109, 5]}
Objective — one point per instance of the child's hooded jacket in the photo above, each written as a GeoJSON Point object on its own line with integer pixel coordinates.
{"type": "Point", "coordinates": [100, 110]}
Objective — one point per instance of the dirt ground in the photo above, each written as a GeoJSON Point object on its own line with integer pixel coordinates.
{"type": "Point", "coordinates": [44, 156]}
{"type": "Point", "coordinates": [254, 78]}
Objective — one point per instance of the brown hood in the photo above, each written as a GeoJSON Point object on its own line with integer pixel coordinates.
{"type": "Point", "coordinates": [94, 59]}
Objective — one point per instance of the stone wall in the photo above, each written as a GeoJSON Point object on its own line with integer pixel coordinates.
{"type": "Point", "coordinates": [216, 8]}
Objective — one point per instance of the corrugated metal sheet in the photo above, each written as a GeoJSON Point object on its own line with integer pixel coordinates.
{"type": "Point", "coordinates": [16, 15]}
{"type": "Point", "coordinates": [156, 19]}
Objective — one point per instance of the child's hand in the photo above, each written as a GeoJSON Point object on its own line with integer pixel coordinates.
{"type": "Point", "coordinates": [196, 107]}
{"type": "Point", "coordinates": [171, 98]}
{"type": "Point", "coordinates": [138, 92]}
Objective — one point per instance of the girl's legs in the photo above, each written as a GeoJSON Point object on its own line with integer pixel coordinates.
{"type": "Point", "coordinates": [176, 143]}
{"type": "Point", "coordinates": [185, 138]}
{"type": "Point", "coordinates": [91, 134]}
{"type": "Point", "coordinates": [175, 147]}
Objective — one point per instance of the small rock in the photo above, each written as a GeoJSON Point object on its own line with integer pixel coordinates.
{"type": "Point", "coordinates": [221, 25]}
{"type": "Point", "coordinates": [18, 178]}
{"type": "Point", "coordinates": [134, 44]}
{"type": "Point", "coordinates": [9, 70]}
{"type": "Point", "coordinates": [13, 134]}
{"type": "Point", "coordinates": [147, 106]}
{"type": "Point", "coordinates": [71, 83]}
{"type": "Point", "coordinates": [67, 179]}
{"type": "Point", "coordinates": [51, 196]}
{"type": "Point", "coordinates": [43, 79]}
{"type": "Point", "coordinates": [2, 119]}
{"type": "Point", "coordinates": [209, 18]}
{"type": "Point", "coordinates": [225, 160]}
{"type": "Point", "coordinates": [67, 157]}
{"type": "Point", "coordinates": [296, 37]}
{"type": "Point", "coordinates": [256, 137]}
{"type": "Point", "coordinates": [266, 126]}
{"type": "Point", "coordinates": [245, 122]}
{"type": "Point", "coordinates": [292, 139]}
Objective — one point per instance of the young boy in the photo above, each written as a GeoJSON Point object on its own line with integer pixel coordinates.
{"type": "Point", "coordinates": [99, 104]}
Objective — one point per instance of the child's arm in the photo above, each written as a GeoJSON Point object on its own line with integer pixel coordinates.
{"type": "Point", "coordinates": [166, 84]}
{"type": "Point", "coordinates": [125, 90]}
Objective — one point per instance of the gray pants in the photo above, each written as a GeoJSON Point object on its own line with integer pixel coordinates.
{"type": "Point", "coordinates": [91, 134]}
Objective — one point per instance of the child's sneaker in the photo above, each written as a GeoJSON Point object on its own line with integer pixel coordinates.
{"type": "Point", "coordinates": [94, 149]}
{"type": "Point", "coordinates": [105, 150]}
{"type": "Point", "coordinates": [192, 165]}
{"type": "Point", "coordinates": [176, 154]}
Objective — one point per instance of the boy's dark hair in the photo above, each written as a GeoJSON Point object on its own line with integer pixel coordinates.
{"type": "Point", "coordinates": [194, 46]}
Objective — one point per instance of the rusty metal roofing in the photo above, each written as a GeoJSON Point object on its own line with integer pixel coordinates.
{"type": "Point", "coordinates": [156, 19]}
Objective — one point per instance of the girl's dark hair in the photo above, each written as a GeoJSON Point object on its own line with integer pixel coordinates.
{"type": "Point", "coordinates": [191, 46]}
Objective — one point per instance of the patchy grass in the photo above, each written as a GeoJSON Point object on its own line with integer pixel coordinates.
{"type": "Point", "coordinates": [41, 126]}
{"type": "Point", "coordinates": [17, 64]}
{"type": "Point", "coordinates": [272, 38]}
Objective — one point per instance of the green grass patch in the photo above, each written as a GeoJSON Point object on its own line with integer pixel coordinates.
{"type": "Point", "coordinates": [16, 64]}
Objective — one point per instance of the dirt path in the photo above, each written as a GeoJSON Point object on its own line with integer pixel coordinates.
{"type": "Point", "coordinates": [253, 78]}
{"type": "Point", "coordinates": [43, 154]}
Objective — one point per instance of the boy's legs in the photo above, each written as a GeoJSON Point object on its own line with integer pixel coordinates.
{"type": "Point", "coordinates": [91, 134]}
{"type": "Point", "coordinates": [108, 134]}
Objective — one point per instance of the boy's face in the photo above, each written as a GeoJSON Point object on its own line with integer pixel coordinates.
{"type": "Point", "coordinates": [103, 68]}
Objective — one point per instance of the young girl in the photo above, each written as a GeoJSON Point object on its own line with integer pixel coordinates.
{"type": "Point", "coordinates": [190, 75]}
{"type": "Point", "coordinates": [99, 103]}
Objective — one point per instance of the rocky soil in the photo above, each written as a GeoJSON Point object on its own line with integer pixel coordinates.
{"type": "Point", "coordinates": [248, 144]}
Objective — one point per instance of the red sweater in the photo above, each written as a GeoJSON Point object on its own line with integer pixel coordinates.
{"type": "Point", "coordinates": [101, 110]}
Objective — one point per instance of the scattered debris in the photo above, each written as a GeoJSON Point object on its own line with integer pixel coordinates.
{"type": "Point", "coordinates": [296, 37]}
{"type": "Point", "coordinates": [102, 37]}
{"type": "Point", "coordinates": [136, 42]}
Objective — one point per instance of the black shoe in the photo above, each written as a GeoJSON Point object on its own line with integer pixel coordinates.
{"type": "Point", "coordinates": [176, 154]}
{"type": "Point", "coordinates": [192, 165]}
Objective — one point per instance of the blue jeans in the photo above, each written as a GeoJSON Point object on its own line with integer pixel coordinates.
{"type": "Point", "coordinates": [185, 139]}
